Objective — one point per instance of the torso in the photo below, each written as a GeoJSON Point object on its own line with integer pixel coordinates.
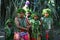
{"type": "Point", "coordinates": [22, 22]}
{"type": "Point", "coordinates": [47, 22]}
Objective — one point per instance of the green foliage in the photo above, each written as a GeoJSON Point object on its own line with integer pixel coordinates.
{"type": "Point", "coordinates": [7, 31]}
{"type": "Point", "coordinates": [34, 13]}
{"type": "Point", "coordinates": [46, 11]}
{"type": "Point", "coordinates": [9, 20]}
{"type": "Point", "coordinates": [21, 10]}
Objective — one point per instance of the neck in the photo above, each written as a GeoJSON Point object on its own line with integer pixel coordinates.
{"type": "Point", "coordinates": [46, 16]}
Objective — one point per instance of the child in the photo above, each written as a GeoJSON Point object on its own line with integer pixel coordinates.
{"type": "Point", "coordinates": [35, 28]}
{"type": "Point", "coordinates": [28, 16]}
{"type": "Point", "coordinates": [9, 30]}
{"type": "Point", "coordinates": [22, 24]}
{"type": "Point", "coordinates": [47, 22]}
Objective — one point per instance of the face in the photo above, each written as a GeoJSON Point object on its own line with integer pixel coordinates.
{"type": "Point", "coordinates": [46, 15]}
{"type": "Point", "coordinates": [35, 17]}
{"type": "Point", "coordinates": [21, 14]}
{"type": "Point", "coordinates": [29, 14]}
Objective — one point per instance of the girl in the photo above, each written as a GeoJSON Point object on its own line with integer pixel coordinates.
{"type": "Point", "coordinates": [35, 28]}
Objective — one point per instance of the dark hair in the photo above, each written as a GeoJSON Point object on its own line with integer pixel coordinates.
{"type": "Point", "coordinates": [29, 13]}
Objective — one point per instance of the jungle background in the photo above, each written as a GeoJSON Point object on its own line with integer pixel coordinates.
{"type": "Point", "coordinates": [8, 9]}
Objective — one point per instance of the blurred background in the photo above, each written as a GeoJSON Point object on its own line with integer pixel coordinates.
{"type": "Point", "coordinates": [8, 9]}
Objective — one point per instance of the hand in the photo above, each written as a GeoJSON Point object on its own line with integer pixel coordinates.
{"type": "Point", "coordinates": [27, 29]}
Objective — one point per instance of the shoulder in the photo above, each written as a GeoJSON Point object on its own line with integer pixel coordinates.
{"type": "Point", "coordinates": [16, 18]}
{"type": "Point", "coordinates": [51, 19]}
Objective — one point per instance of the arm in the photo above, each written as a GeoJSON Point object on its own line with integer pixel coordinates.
{"type": "Point", "coordinates": [41, 22]}
{"type": "Point", "coordinates": [28, 24]}
{"type": "Point", "coordinates": [52, 25]}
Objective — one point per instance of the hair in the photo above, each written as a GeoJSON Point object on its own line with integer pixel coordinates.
{"type": "Point", "coordinates": [29, 13]}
